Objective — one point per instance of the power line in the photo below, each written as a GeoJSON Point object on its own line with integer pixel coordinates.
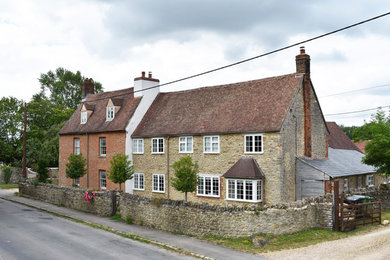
{"type": "Point", "coordinates": [356, 90]}
{"type": "Point", "coordinates": [258, 56]}
{"type": "Point", "coordinates": [358, 111]}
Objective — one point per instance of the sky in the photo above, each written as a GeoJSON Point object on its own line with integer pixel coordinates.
{"type": "Point", "coordinates": [113, 41]}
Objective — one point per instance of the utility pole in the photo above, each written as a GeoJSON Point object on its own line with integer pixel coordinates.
{"type": "Point", "coordinates": [24, 170]}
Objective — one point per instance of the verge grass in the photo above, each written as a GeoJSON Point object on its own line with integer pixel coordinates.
{"type": "Point", "coordinates": [9, 186]}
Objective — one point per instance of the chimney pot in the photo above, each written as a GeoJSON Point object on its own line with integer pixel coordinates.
{"type": "Point", "coordinates": [143, 74]}
{"type": "Point", "coordinates": [302, 50]}
{"type": "Point", "coordinates": [150, 74]}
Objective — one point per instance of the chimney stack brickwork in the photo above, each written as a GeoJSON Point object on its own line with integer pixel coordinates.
{"type": "Point", "coordinates": [87, 88]}
{"type": "Point", "coordinates": [303, 66]}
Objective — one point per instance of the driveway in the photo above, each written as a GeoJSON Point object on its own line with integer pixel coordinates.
{"type": "Point", "coordinates": [373, 245]}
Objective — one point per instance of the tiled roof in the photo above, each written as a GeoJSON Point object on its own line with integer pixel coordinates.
{"type": "Point", "coordinates": [97, 103]}
{"type": "Point", "coordinates": [245, 168]}
{"type": "Point", "coordinates": [361, 145]}
{"type": "Point", "coordinates": [341, 163]}
{"type": "Point", "coordinates": [252, 106]}
{"type": "Point", "coordinates": [338, 139]}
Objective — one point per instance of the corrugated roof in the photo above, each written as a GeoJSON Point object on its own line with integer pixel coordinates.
{"type": "Point", "coordinates": [97, 120]}
{"type": "Point", "coordinates": [338, 139]}
{"type": "Point", "coordinates": [252, 106]}
{"type": "Point", "coordinates": [341, 162]}
{"type": "Point", "coordinates": [245, 168]}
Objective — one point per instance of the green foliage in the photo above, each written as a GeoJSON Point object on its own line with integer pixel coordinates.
{"type": "Point", "coordinates": [129, 220]}
{"type": "Point", "coordinates": [7, 173]}
{"type": "Point", "coordinates": [121, 169]}
{"type": "Point", "coordinates": [65, 87]}
{"type": "Point", "coordinates": [350, 131]}
{"type": "Point", "coordinates": [185, 175]}
{"type": "Point", "coordinates": [378, 148]}
{"type": "Point", "coordinates": [75, 168]}
{"type": "Point", "coordinates": [42, 170]}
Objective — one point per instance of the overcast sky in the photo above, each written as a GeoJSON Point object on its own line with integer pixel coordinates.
{"type": "Point", "coordinates": [113, 41]}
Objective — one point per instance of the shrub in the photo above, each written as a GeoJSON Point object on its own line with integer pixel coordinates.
{"type": "Point", "coordinates": [42, 170]}
{"type": "Point", "coordinates": [7, 171]}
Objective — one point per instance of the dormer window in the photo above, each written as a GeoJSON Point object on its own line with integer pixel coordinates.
{"type": "Point", "coordinates": [84, 117]}
{"type": "Point", "coordinates": [110, 113]}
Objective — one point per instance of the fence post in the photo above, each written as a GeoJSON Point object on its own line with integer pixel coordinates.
{"type": "Point", "coordinates": [336, 203]}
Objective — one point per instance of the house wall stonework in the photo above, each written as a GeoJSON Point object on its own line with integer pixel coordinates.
{"type": "Point", "coordinates": [231, 149]}
{"type": "Point", "coordinates": [115, 143]}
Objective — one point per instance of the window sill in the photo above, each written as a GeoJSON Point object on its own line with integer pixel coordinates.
{"type": "Point", "coordinates": [158, 153]}
{"type": "Point", "coordinates": [209, 196]}
{"type": "Point", "coordinates": [139, 189]}
{"type": "Point", "coordinates": [253, 152]}
{"type": "Point", "coordinates": [102, 156]}
{"type": "Point", "coordinates": [186, 152]}
{"type": "Point", "coordinates": [138, 153]}
{"type": "Point", "coordinates": [156, 191]}
{"type": "Point", "coordinates": [252, 201]}
{"type": "Point", "coordinates": [211, 152]}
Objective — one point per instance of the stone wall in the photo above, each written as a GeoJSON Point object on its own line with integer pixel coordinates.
{"type": "Point", "coordinates": [231, 221]}
{"type": "Point", "coordinates": [69, 197]}
{"type": "Point", "coordinates": [15, 177]}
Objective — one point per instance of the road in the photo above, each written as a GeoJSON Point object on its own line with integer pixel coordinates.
{"type": "Point", "coordinates": [372, 245]}
{"type": "Point", "coordinates": [27, 233]}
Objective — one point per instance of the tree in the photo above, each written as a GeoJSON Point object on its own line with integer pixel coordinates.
{"type": "Point", "coordinates": [42, 170]}
{"type": "Point", "coordinates": [75, 168]}
{"type": "Point", "coordinates": [64, 87]}
{"type": "Point", "coordinates": [121, 169]}
{"type": "Point", "coordinates": [186, 171]}
{"type": "Point", "coordinates": [378, 148]}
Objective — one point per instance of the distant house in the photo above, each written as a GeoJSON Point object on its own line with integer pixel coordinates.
{"type": "Point", "coordinates": [344, 163]}
{"type": "Point", "coordinates": [253, 140]}
{"type": "Point", "coordinates": [361, 145]}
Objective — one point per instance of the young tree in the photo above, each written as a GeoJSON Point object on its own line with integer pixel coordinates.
{"type": "Point", "coordinates": [121, 169]}
{"type": "Point", "coordinates": [75, 168]}
{"type": "Point", "coordinates": [186, 171]}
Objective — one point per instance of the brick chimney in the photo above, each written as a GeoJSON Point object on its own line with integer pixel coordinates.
{"type": "Point", "coordinates": [87, 88]}
{"type": "Point", "coordinates": [303, 66]}
{"type": "Point", "coordinates": [146, 85]}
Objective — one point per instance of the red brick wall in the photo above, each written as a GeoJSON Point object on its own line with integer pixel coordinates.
{"type": "Point", "coordinates": [115, 143]}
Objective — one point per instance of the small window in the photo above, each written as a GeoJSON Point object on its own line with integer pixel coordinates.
{"type": "Point", "coordinates": [158, 145]}
{"type": "Point", "coordinates": [102, 179]}
{"type": "Point", "coordinates": [103, 149]}
{"type": "Point", "coordinates": [76, 148]}
{"type": "Point", "coordinates": [138, 181]}
{"type": "Point", "coordinates": [370, 180]}
{"type": "Point", "coordinates": [253, 143]}
{"type": "Point", "coordinates": [185, 144]}
{"type": "Point", "coordinates": [359, 182]}
{"type": "Point", "coordinates": [211, 144]}
{"type": "Point", "coordinates": [138, 146]}
{"type": "Point", "coordinates": [110, 113]}
{"type": "Point", "coordinates": [76, 182]}
{"type": "Point", "coordinates": [158, 183]}
{"type": "Point", "coordinates": [84, 117]}
{"type": "Point", "coordinates": [245, 190]}
{"type": "Point", "coordinates": [208, 185]}
{"type": "Point", "coordinates": [346, 184]}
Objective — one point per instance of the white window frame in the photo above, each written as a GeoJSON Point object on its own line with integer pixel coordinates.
{"type": "Point", "coordinates": [202, 181]}
{"type": "Point", "coordinates": [211, 143]}
{"type": "Point", "coordinates": [158, 139]}
{"type": "Point", "coordinates": [253, 144]}
{"type": "Point", "coordinates": [139, 181]}
{"type": "Point", "coordinates": [102, 147]}
{"type": "Point", "coordinates": [76, 145]}
{"type": "Point", "coordinates": [158, 190]}
{"type": "Point", "coordinates": [183, 140]}
{"type": "Point", "coordinates": [255, 197]}
{"type": "Point", "coordinates": [76, 182]}
{"type": "Point", "coordinates": [345, 184]}
{"type": "Point", "coordinates": [110, 113]}
{"type": "Point", "coordinates": [83, 117]}
{"type": "Point", "coordinates": [103, 181]}
{"type": "Point", "coordinates": [359, 182]}
{"type": "Point", "coordinates": [370, 180]}
{"type": "Point", "coordinates": [138, 146]}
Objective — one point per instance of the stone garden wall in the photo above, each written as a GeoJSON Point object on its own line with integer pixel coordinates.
{"type": "Point", "coordinates": [192, 218]}
{"type": "Point", "coordinates": [69, 197]}
{"type": "Point", "coordinates": [15, 177]}
{"type": "Point", "coordinates": [381, 193]}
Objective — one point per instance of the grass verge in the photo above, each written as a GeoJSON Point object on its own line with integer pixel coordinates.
{"type": "Point", "coordinates": [9, 186]}
{"type": "Point", "coordinates": [296, 240]}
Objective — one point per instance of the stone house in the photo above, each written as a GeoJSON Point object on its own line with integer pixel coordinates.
{"type": "Point", "coordinates": [245, 137]}
{"type": "Point", "coordinates": [344, 163]}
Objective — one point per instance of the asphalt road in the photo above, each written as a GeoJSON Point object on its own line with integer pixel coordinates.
{"type": "Point", "coordinates": [27, 233]}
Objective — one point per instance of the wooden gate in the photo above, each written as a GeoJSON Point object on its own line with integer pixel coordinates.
{"type": "Point", "coordinates": [348, 216]}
